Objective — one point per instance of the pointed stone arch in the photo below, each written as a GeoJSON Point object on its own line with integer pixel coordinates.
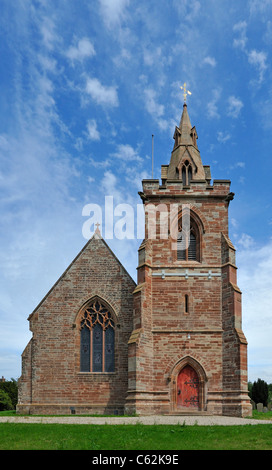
{"type": "Point", "coordinates": [196, 229]}
{"type": "Point", "coordinates": [100, 297]}
{"type": "Point", "coordinates": [202, 381]}
{"type": "Point", "coordinates": [186, 162]}
{"type": "Point", "coordinates": [96, 336]}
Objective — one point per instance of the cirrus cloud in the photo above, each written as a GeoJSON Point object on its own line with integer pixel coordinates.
{"type": "Point", "coordinates": [113, 11]}
{"type": "Point", "coordinates": [83, 49]}
{"type": "Point", "coordinates": [234, 106]}
{"type": "Point", "coordinates": [102, 94]}
{"type": "Point", "coordinates": [93, 133]}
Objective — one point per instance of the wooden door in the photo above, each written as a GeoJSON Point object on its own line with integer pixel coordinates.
{"type": "Point", "coordinates": [188, 389]}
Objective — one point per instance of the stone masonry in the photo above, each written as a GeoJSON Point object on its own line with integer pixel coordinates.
{"type": "Point", "coordinates": [179, 345]}
{"type": "Point", "coordinates": [206, 333]}
{"type": "Point", "coordinates": [51, 380]}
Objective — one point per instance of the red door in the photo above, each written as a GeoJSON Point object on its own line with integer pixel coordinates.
{"type": "Point", "coordinates": [188, 388]}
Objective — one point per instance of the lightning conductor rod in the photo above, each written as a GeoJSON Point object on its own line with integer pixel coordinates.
{"type": "Point", "coordinates": [152, 155]}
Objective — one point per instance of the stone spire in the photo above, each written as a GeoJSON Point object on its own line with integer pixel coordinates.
{"type": "Point", "coordinates": [185, 150]}
{"type": "Point", "coordinates": [185, 127]}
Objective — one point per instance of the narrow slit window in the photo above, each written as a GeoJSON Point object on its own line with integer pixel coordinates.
{"type": "Point", "coordinates": [186, 303]}
{"type": "Point", "coordinates": [186, 173]}
{"type": "Point", "coordinates": [189, 174]}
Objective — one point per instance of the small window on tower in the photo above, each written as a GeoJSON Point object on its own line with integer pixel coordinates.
{"type": "Point", "coordinates": [189, 174]}
{"type": "Point", "coordinates": [186, 173]}
{"type": "Point", "coordinates": [184, 176]}
{"type": "Point", "coordinates": [189, 238]}
{"type": "Point", "coordinates": [186, 303]}
{"type": "Point", "coordinates": [176, 139]}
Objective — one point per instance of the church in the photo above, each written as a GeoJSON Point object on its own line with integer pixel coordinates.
{"type": "Point", "coordinates": [170, 344]}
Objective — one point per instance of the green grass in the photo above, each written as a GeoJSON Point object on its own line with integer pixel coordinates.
{"type": "Point", "coordinates": [257, 415]}
{"type": "Point", "coordinates": [134, 437]}
{"type": "Point", "coordinates": [17, 436]}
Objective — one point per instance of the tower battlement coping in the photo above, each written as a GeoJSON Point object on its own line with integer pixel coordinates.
{"type": "Point", "coordinates": [197, 190]}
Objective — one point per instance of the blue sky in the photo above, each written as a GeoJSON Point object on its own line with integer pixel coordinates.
{"type": "Point", "coordinates": [84, 85]}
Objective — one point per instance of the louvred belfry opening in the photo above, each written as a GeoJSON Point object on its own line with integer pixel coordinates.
{"type": "Point", "coordinates": [188, 242]}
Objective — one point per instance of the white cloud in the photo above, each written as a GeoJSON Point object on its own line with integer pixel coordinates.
{"type": "Point", "coordinates": [255, 58]}
{"type": "Point", "coordinates": [124, 57]}
{"type": "Point", "coordinates": [234, 106]}
{"type": "Point", "coordinates": [47, 63]}
{"type": "Point", "coordinates": [48, 30]}
{"type": "Point", "coordinates": [223, 137]}
{"type": "Point", "coordinates": [99, 164]}
{"type": "Point", "coordinates": [154, 108]}
{"type": "Point", "coordinates": [187, 9]}
{"type": "Point", "coordinates": [109, 183]}
{"type": "Point", "coordinates": [209, 61]}
{"type": "Point", "coordinates": [238, 165]}
{"type": "Point", "coordinates": [152, 55]}
{"type": "Point", "coordinates": [258, 59]}
{"type": "Point", "coordinates": [135, 178]}
{"type": "Point", "coordinates": [212, 104]}
{"type": "Point", "coordinates": [268, 33]}
{"type": "Point", "coordinates": [234, 222]}
{"type": "Point", "coordinates": [93, 133]}
{"type": "Point", "coordinates": [127, 153]}
{"type": "Point", "coordinates": [241, 41]}
{"type": "Point", "coordinates": [245, 241]}
{"type": "Point", "coordinates": [102, 94]}
{"type": "Point", "coordinates": [110, 186]}
{"type": "Point", "coordinates": [256, 7]}
{"type": "Point", "coordinates": [82, 50]}
{"type": "Point", "coordinates": [113, 12]}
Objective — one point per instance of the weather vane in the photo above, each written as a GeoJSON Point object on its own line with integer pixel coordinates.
{"type": "Point", "coordinates": [185, 92]}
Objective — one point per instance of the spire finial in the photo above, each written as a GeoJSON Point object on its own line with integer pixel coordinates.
{"type": "Point", "coordinates": [185, 92]}
{"type": "Point", "coordinates": [97, 228]}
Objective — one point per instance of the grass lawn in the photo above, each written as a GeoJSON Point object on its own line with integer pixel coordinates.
{"type": "Point", "coordinates": [134, 437]}
{"type": "Point", "coordinates": [257, 415]}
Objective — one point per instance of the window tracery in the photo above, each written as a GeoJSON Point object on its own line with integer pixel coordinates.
{"type": "Point", "coordinates": [186, 173]}
{"type": "Point", "coordinates": [188, 242]}
{"type": "Point", "coordinates": [97, 335]}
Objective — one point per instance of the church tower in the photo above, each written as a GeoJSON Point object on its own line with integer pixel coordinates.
{"type": "Point", "coordinates": [187, 352]}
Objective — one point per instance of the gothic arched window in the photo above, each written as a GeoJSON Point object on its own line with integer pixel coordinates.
{"type": "Point", "coordinates": [188, 243]}
{"type": "Point", "coordinates": [186, 173]}
{"type": "Point", "coordinates": [97, 334]}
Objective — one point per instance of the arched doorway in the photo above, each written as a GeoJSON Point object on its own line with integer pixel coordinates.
{"type": "Point", "coordinates": [188, 386]}
{"type": "Point", "coordinates": [188, 389]}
